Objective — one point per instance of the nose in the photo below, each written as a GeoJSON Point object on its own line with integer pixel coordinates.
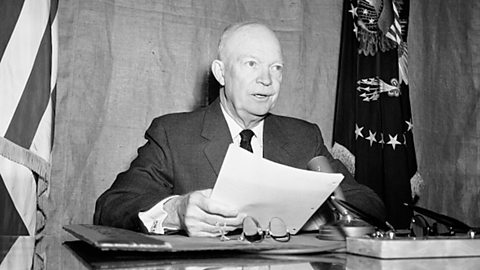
{"type": "Point", "coordinates": [265, 77]}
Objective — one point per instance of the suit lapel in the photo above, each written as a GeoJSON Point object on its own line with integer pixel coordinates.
{"type": "Point", "coordinates": [275, 141]}
{"type": "Point", "coordinates": [215, 130]}
{"type": "Point", "coordinates": [218, 138]}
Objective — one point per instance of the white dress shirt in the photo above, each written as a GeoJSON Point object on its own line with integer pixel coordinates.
{"type": "Point", "coordinates": [235, 129]}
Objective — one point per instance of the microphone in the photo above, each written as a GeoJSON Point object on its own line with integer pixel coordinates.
{"type": "Point", "coordinates": [346, 225]}
{"type": "Point", "coordinates": [321, 164]}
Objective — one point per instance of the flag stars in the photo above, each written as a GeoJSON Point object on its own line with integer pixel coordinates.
{"type": "Point", "coordinates": [358, 131]}
{"type": "Point", "coordinates": [353, 10]}
{"type": "Point", "coordinates": [393, 141]}
{"type": "Point", "coordinates": [409, 125]}
{"type": "Point", "coordinates": [371, 137]}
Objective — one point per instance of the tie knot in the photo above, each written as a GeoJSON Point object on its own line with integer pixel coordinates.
{"type": "Point", "coordinates": [246, 137]}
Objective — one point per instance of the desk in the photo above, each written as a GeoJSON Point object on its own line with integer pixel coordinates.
{"type": "Point", "coordinates": [68, 253]}
{"type": "Point", "coordinates": [17, 253]}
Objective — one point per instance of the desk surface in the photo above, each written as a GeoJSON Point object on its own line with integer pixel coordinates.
{"type": "Point", "coordinates": [18, 253]}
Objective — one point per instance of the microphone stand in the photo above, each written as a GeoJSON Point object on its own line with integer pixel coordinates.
{"type": "Point", "coordinates": [345, 225]}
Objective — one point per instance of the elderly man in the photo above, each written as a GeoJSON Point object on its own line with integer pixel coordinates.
{"type": "Point", "coordinates": [167, 186]}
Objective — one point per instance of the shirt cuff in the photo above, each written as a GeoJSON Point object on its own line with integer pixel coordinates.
{"type": "Point", "coordinates": [153, 218]}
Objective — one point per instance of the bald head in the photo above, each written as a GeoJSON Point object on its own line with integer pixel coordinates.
{"type": "Point", "coordinates": [234, 32]}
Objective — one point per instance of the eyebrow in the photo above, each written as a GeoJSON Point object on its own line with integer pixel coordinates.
{"type": "Point", "coordinates": [240, 57]}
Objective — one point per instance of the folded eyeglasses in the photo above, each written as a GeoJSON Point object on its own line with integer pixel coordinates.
{"type": "Point", "coordinates": [252, 231]}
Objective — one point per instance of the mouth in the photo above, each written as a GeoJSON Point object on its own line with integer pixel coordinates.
{"type": "Point", "coordinates": [261, 96]}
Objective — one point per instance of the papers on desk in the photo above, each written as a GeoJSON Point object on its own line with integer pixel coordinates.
{"type": "Point", "coordinates": [264, 189]}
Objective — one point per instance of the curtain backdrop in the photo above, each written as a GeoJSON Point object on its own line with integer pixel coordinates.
{"type": "Point", "coordinates": [444, 68]}
{"type": "Point", "coordinates": [122, 63]}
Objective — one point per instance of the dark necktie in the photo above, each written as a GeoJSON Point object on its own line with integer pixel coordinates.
{"type": "Point", "coordinates": [246, 136]}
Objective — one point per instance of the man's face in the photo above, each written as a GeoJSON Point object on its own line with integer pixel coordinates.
{"type": "Point", "coordinates": [252, 72]}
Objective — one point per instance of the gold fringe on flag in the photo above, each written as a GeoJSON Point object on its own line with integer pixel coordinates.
{"type": "Point", "coordinates": [341, 153]}
{"type": "Point", "coordinates": [25, 157]}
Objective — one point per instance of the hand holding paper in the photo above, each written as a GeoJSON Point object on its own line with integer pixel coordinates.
{"type": "Point", "coordinates": [264, 189]}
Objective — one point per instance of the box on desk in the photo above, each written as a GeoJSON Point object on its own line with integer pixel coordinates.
{"type": "Point", "coordinates": [407, 247]}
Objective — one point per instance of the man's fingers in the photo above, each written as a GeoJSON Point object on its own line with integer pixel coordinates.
{"type": "Point", "coordinates": [202, 200]}
{"type": "Point", "coordinates": [224, 221]}
{"type": "Point", "coordinates": [205, 229]}
{"type": "Point", "coordinates": [206, 217]}
{"type": "Point", "coordinates": [206, 192]}
{"type": "Point", "coordinates": [213, 207]}
{"type": "Point", "coordinates": [216, 208]}
{"type": "Point", "coordinates": [203, 219]}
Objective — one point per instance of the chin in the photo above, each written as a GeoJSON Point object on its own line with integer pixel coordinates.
{"type": "Point", "coordinates": [261, 111]}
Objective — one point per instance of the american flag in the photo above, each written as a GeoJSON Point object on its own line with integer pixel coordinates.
{"type": "Point", "coordinates": [28, 71]}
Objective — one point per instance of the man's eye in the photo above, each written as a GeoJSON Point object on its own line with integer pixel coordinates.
{"type": "Point", "coordinates": [277, 68]}
{"type": "Point", "coordinates": [251, 63]}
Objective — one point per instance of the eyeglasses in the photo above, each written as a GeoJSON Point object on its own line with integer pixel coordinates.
{"type": "Point", "coordinates": [419, 227]}
{"type": "Point", "coordinates": [253, 232]}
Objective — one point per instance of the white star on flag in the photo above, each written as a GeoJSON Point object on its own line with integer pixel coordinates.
{"type": "Point", "coordinates": [409, 124]}
{"type": "Point", "coordinates": [371, 137]}
{"type": "Point", "coordinates": [353, 10]}
{"type": "Point", "coordinates": [393, 141]}
{"type": "Point", "coordinates": [358, 131]}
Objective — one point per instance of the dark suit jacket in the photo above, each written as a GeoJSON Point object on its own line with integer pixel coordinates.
{"type": "Point", "coordinates": [184, 152]}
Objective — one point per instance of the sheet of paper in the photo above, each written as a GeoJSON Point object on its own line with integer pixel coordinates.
{"type": "Point", "coordinates": [264, 189]}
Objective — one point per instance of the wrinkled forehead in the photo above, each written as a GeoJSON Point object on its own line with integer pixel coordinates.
{"type": "Point", "coordinates": [248, 38]}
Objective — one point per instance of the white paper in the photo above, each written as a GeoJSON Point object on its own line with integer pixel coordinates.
{"type": "Point", "coordinates": [264, 189]}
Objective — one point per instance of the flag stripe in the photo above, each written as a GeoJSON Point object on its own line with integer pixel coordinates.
{"type": "Point", "coordinates": [54, 102]}
{"type": "Point", "coordinates": [42, 142]}
{"type": "Point", "coordinates": [11, 223]}
{"type": "Point", "coordinates": [34, 99]}
{"type": "Point", "coordinates": [395, 30]}
{"type": "Point", "coordinates": [9, 11]}
{"type": "Point", "coordinates": [54, 45]}
{"type": "Point", "coordinates": [53, 11]}
{"type": "Point", "coordinates": [21, 186]}
{"type": "Point", "coordinates": [5, 245]}
{"type": "Point", "coordinates": [43, 139]}
{"type": "Point", "coordinates": [19, 56]}
{"type": "Point", "coordinates": [20, 255]}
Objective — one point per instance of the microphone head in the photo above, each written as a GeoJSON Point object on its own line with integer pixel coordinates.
{"type": "Point", "coordinates": [320, 164]}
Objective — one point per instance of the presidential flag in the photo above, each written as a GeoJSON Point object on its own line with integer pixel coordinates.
{"type": "Point", "coordinates": [28, 64]}
{"type": "Point", "coordinates": [373, 121]}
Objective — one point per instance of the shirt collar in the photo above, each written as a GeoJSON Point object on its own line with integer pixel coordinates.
{"type": "Point", "coordinates": [235, 128]}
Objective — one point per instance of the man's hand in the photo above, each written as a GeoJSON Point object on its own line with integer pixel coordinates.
{"type": "Point", "coordinates": [198, 215]}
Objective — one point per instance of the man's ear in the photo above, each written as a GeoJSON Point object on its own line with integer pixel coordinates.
{"type": "Point", "coordinates": [218, 71]}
